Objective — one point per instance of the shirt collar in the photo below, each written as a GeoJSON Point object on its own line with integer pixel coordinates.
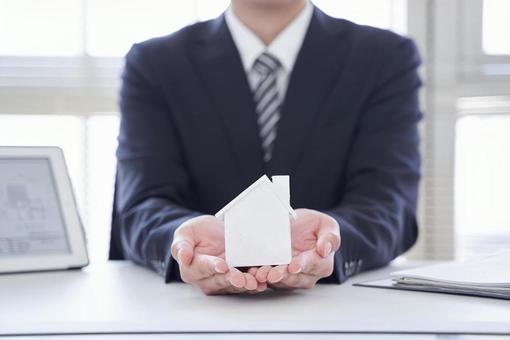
{"type": "Point", "coordinates": [285, 46]}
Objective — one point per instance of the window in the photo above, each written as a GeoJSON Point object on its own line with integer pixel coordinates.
{"type": "Point", "coordinates": [34, 27]}
{"type": "Point", "coordinates": [59, 75]}
{"type": "Point", "coordinates": [100, 144]}
{"type": "Point", "coordinates": [484, 27]}
{"type": "Point", "coordinates": [496, 27]}
{"type": "Point", "coordinates": [65, 131]}
{"type": "Point", "coordinates": [94, 27]}
{"type": "Point", "coordinates": [482, 224]}
{"type": "Point", "coordinates": [88, 143]}
{"type": "Point", "coordinates": [114, 25]}
{"type": "Point", "coordinates": [482, 182]}
{"type": "Point", "coordinates": [466, 107]}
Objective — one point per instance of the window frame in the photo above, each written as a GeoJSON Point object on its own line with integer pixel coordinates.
{"type": "Point", "coordinates": [453, 67]}
{"type": "Point", "coordinates": [475, 65]}
{"type": "Point", "coordinates": [80, 85]}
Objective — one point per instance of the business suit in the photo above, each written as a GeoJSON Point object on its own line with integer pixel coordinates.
{"type": "Point", "coordinates": [347, 136]}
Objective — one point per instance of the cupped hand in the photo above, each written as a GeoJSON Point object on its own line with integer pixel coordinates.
{"type": "Point", "coordinates": [199, 248]}
{"type": "Point", "coordinates": [315, 239]}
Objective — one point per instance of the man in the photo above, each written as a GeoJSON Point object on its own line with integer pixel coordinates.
{"type": "Point", "coordinates": [275, 87]}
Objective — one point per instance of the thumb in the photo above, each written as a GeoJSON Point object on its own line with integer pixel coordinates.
{"type": "Point", "coordinates": [207, 265]}
{"type": "Point", "coordinates": [328, 239]}
{"type": "Point", "coordinates": [183, 246]}
{"type": "Point", "coordinates": [182, 252]}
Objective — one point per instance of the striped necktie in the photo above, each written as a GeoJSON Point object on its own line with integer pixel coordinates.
{"type": "Point", "coordinates": [267, 101]}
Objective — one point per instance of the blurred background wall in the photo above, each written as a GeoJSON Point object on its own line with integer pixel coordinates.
{"type": "Point", "coordinates": [60, 62]}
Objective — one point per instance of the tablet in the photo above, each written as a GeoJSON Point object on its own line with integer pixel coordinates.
{"type": "Point", "coordinates": [40, 228]}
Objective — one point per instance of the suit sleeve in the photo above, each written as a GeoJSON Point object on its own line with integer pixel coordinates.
{"type": "Point", "coordinates": [377, 213]}
{"type": "Point", "coordinates": [153, 187]}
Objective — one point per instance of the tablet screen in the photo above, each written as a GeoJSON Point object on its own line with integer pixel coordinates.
{"type": "Point", "coordinates": [31, 219]}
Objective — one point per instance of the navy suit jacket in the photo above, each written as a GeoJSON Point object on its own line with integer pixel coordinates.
{"type": "Point", "coordinates": [348, 138]}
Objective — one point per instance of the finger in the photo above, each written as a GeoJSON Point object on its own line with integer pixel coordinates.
{"type": "Point", "coordinates": [207, 265]}
{"type": "Point", "coordinates": [250, 282]}
{"type": "Point", "coordinates": [228, 288]}
{"type": "Point", "coordinates": [311, 263]}
{"type": "Point", "coordinates": [302, 263]}
{"type": "Point", "coordinates": [183, 245]}
{"type": "Point", "coordinates": [219, 284]}
{"type": "Point", "coordinates": [262, 286]}
{"type": "Point", "coordinates": [277, 273]}
{"type": "Point", "coordinates": [214, 285]}
{"type": "Point", "coordinates": [234, 290]}
{"type": "Point", "coordinates": [182, 252]}
{"type": "Point", "coordinates": [262, 273]}
{"type": "Point", "coordinates": [253, 271]}
{"type": "Point", "coordinates": [236, 278]}
{"type": "Point", "coordinates": [328, 242]}
{"type": "Point", "coordinates": [297, 281]}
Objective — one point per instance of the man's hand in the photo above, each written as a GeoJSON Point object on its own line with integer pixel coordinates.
{"type": "Point", "coordinates": [199, 248]}
{"type": "Point", "coordinates": [315, 239]}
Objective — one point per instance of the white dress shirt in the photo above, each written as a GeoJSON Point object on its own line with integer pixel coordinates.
{"type": "Point", "coordinates": [285, 47]}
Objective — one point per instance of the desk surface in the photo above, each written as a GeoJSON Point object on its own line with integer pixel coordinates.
{"type": "Point", "coordinates": [119, 297]}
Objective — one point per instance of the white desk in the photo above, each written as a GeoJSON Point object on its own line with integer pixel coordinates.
{"type": "Point", "coordinates": [119, 297]}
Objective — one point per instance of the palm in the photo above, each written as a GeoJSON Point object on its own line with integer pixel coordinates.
{"type": "Point", "coordinates": [315, 237]}
{"type": "Point", "coordinates": [209, 237]}
{"type": "Point", "coordinates": [305, 231]}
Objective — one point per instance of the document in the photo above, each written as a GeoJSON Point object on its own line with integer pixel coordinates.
{"type": "Point", "coordinates": [30, 213]}
{"type": "Point", "coordinates": [488, 277]}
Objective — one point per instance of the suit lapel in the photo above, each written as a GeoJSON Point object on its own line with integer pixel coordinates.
{"type": "Point", "coordinates": [317, 66]}
{"type": "Point", "coordinates": [218, 61]}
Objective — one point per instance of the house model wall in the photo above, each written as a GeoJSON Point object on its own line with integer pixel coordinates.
{"type": "Point", "coordinates": [257, 224]}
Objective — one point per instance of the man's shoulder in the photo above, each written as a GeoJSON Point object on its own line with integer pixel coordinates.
{"type": "Point", "coordinates": [176, 44]}
{"type": "Point", "coordinates": [373, 45]}
{"type": "Point", "coordinates": [364, 35]}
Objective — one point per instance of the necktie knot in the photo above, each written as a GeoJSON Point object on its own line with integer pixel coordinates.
{"type": "Point", "coordinates": [266, 63]}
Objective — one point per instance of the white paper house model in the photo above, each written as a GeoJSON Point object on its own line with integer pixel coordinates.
{"type": "Point", "coordinates": [257, 224]}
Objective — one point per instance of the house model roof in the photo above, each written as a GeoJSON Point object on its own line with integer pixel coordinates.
{"type": "Point", "coordinates": [264, 180]}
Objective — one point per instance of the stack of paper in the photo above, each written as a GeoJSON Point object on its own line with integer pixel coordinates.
{"type": "Point", "coordinates": [489, 276]}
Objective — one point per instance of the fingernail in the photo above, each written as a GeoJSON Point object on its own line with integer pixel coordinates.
{"type": "Point", "coordinates": [218, 268]}
{"type": "Point", "coordinates": [276, 278]}
{"type": "Point", "coordinates": [260, 278]}
{"type": "Point", "coordinates": [236, 284]}
{"type": "Point", "coordinates": [298, 270]}
{"type": "Point", "coordinates": [328, 248]}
